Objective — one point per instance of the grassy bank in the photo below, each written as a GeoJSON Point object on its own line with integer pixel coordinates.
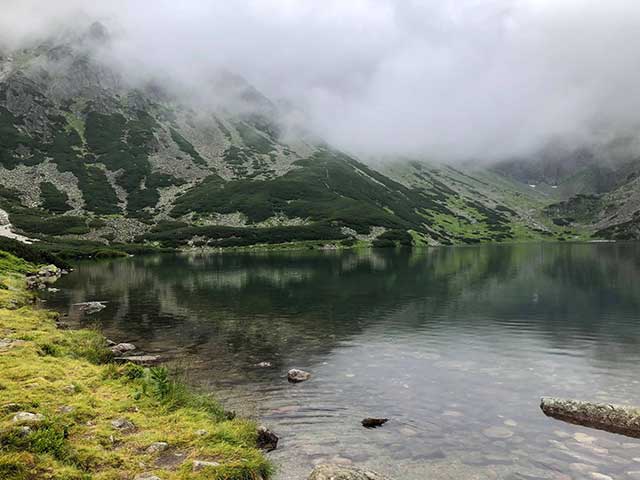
{"type": "Point", "coordinates": [97, 420]}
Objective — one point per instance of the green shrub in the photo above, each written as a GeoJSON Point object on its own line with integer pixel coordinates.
{"type": "Point", "coordinates": [53, 199]}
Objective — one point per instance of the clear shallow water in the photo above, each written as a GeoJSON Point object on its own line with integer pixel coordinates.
{"type": "Point", "coordinates": [455, 345]}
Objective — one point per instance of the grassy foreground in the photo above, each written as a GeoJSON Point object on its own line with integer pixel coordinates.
{"type": "Point", "coordinates": [66, 377]}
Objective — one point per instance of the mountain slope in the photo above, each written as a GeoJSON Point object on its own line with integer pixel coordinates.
{"type": "Point", "coordinates": [86, 154]}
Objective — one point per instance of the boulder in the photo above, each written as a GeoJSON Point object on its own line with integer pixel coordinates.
{"type": "Point", "coordinates": [122, 348]}
{"type": "Point", "coordinates": [267, 440]}
{"type": "Point", "coordinates": [202, 464]}
{"type": "Point", "coordinates": [142, 360]}
{"type": "Point", "coordinates": [28, 418]}
{"type": "Point", "coordinates": [612, 418]}
{"type": "Point", "coordinates": [296, 376]}
{"type": "Point", "coordinates": [264, 365]}
{"type": "Point", "coordinates": [374, 422]}
{"type": "Point", "coordinates": [341, 472]}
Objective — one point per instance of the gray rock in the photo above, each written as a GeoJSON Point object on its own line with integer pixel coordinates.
{"type": "Point", "coordinates": [157, 447]}
{"type": "Point", "coordinates": [267, 440]}
{"type": "Point", "coordinates": [201, 432]}
{"type": "Point", "coordinates": [142, 360]}
{"type": "Point", "coordinates": [28, 418]}
{"type": "Point", "coordinates": [90, 307]}
{"type": "Point", "coordinates": [264, 365]}
{"type": "Point", "coordinates": [612, 418]}
{"type": "Point", "coordinates": [296, 376]}
{"type": "Point", "coordinates": [122, 348]}
{"type": "Point", "coordinates": [123, 425]}
{"type": "Point", "coordinates": [341, 472]}
{"type": "Point", "coordinates": [199, 465]}
{"type": "Point", "coordinates": [146, 476]}
{"type": "Point", "coordinates": [66, 409]}
{"type": "Point", "coordinates": [70, 389]}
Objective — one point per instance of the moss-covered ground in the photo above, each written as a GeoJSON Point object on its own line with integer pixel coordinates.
{"type": "Point", "coordinates": [66, 377]}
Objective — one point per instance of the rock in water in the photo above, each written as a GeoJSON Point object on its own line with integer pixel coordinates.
{"type": "Point", "coordinates": [122, 348]}
{"type": "Point", "coordinates": [297, 376]}
{"type": "Point", "coordinates": [612, 418]}
{"type": "Point", "coordinates": [90, 307]}
{"type": "Point", "coordinates": [267, 440]}
{"type": "Point", "coordinates": [340, 472]}
{"type": "Point", "coordinates": [142, 360]}
{"type": "Point", "coordinates": [374, 422]}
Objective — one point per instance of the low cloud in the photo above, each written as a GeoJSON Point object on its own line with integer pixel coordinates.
{"type": "Point", "coordinates": [443, 79]}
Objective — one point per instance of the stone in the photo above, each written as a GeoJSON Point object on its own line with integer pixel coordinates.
{"type": "Point", "coordinates": [199, 465]}
{"type": "Point", "coordinates": [296, 376]}
{"type": "Point", "coordinates": [70, 389]}
{"type": "Point", "coordinates": [66, 409]}
{"type": "Point", "coordinates": [122, 348]}
{"type": "Point", "coordinates": [28, 418]}
{"type": "Point", "coordinates": [142, 360]}
{"type": "Point", "coordinates": [264, 365]}
{"type": "Point", "coordinates": [24, 431]}
{"type": "Point", "coordinates": [497, 433]}
{"type": "Point", "coordinates": [611, 418]}
{"type": "Point", "coordinates": [123, 425]}
{"type": "Point", "coordinates": [343, 472]}
{"type": "Point", "coordinates": [90, 307]}
{"type": "Point", "coordinates": [373, 422]}
{"type": "Point", "coordinates": [267, 440]}
{"type": "Point", "coordinates": [146, 476]}
{"type": "Point", "coordinates": [201, 432]}
{"type": "Point", "coordinates": [583, 438]}
{"type": "Point", "coordinates": [157, 447]}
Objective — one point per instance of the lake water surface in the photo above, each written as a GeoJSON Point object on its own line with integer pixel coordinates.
{"type": "Point", "coordinates": [455, 345]}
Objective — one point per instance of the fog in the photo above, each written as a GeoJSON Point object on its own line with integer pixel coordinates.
{"type": "Point", "coordinates": [443, 79]}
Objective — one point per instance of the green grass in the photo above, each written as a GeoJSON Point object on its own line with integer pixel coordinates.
{"type": "Point", "coordinates": [47, 369]}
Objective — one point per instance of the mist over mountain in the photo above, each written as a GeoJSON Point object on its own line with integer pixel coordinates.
{"type": "Point", "coordinates": [443, 80]}
{"type": "Point", "coordinates": [375, 122]}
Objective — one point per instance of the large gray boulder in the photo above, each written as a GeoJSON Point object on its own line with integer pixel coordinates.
{"type": "Point", "coordinates": [296, 375]}
{"type": "Point", "coordinates": [340, 472]}
{"type": "Point", "coordinates": [612, 418]}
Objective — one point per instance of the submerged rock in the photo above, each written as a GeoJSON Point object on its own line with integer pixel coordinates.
{"type": "Point", "coordinates": [341, 472]}
{"type": "Point", "coordinates": [267, 440]}
{"type": "Point", "coordinates": [90, 307]}
{"type": "Point", "coordinates": [612, 418]}
{"type": "Point", "coordinates": [374, 422]}
{"type": "Point", "coordinates": [296, 376]}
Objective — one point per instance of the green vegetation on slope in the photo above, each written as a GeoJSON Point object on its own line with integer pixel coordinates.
{"type": "Point", "coordinates": [62, 376]}
{"type": "Point", "coordinates": [53, 199]}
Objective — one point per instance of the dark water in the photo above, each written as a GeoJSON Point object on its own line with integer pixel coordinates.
{"type": "Point", "coordinates": [455, 345]}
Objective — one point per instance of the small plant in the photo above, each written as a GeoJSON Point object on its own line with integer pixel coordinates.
{"type": "Point", "coordinates": [160, 384]}
{"type": "Point", "coordinates": [50, 349]}
{"type": "Point", "coordinates": [133, 371]}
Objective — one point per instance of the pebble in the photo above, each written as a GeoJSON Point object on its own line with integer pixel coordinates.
{"type": "Point", "coordinates": [584, 438]}
{"type": "Point", "coordinates": [28, 417]}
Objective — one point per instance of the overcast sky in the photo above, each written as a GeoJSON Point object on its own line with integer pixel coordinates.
{"type": "Point", "coordinates": [441, 78]}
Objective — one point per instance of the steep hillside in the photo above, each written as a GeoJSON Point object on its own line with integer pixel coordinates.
{"type": "Point", "coordinates": [87, 155]}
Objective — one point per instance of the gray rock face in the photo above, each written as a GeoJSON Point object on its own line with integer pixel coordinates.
{"type": "Point", "coordinates": [339, 472]}
{"type": "Point", "coordinates": [612, 418]}
{"type": "Point", "coordinates": [296, 376]}
{"type": "Point", "coordinates": [28, 418]}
